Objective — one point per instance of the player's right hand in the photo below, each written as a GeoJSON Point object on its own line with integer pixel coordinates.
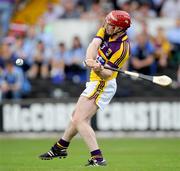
{"type": "Point", "coordinates": [94, 64]}
{"type": "Point", "coordinates": [90, 63]}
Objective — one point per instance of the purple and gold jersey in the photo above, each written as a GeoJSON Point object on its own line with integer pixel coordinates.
{"type": "Point", "coordinates": [113, 52]}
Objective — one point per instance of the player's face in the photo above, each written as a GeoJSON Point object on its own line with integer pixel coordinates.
{"type": "Point", "coordinates": [110, 29]}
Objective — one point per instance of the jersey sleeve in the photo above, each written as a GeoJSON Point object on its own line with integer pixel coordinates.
{"type": "Point", "coordinates": [120, 56]}
{"type": "Point", "coordinates": [101, 33]}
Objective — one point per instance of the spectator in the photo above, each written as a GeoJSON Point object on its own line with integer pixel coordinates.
{"type": "Point", "coordinates": [57, 65]}
{"type": "Point", "coordinates": [30, 43]}
{"type": "Point", "coordinates": [134, 7]}
{"type": "Point", "coordinates": [41, 60]}
{"type": "Point", "coordinates": [86, 4]}
{"type": "Point", "coordinates": [6, 9]}
{"type": "Point", "coordinates": [157, 6]}
{"type": "Point", "coordinates": [178, 75]}
{"type": "Point", "coordinates": [70, 10]}
{"type": "Point", "coordinates": [171, 9]}
{"type": "Point", "coordinates": [53, 12]}
{"type": "Point", "coordinates": [73, 65]}
{"type": "Point", "coordinates": [125, 6]}
{"type": "Point", "coordinates": [162, 48]}
{"type": "Point", "coordinates": [12, 81]}
{"type": "Point", "coordinates": [78, 52]}
{"type": "Point", "coordinates": [96, 12]}
{"type": "Point", "coordinates": [174, 33]}
{"type": "Point", "coordinates": [9, 38]}
{"type": "Point", "coordinates": [19, 52]}
{"type": "Point", "coordinates": [1, 80]}
{"type": "Point", "coordinates": [6, 54]}
{"type": "Point", "coordinates": [174, 38]}
{"type": "Point", "coordinates": [144, 11]}
{"type": "Point", "coordinates": [43, 34]}
{"type": "Point", "coordinates": [143, 28]}
{"type": "Point", "coordinates": [142, 59]}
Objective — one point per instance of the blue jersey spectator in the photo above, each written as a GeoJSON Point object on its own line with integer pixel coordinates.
{"type": "Point", "coordinates": [142, 59]}
{"type": "Point", "coordinates": [6, 53]}
{"type": "Point", "coordinates": [6, 9]}
{"type": "Point", "coordinates": [30, 43]}
{"type": "Point", "coordinates": [74, 69]}
{"type": "Point", "coordinates": [174, 38]}
{"type": "Point", "coordinates": [12, 81]}
{"type": "Point", "coordinates": [58, 63]}
{"type": "Point", "coordinates": [174, 33]}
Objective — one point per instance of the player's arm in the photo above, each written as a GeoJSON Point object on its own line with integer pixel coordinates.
{"type": "Point", "coordinates": [91, 52]}
{"type": "Point", "coordinates": [91, 62]}
{"type": "Point", "coordinates": [91, 55]}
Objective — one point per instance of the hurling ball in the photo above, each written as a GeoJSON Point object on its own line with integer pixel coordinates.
{"type": "Point", "coordinates": [19, 62]}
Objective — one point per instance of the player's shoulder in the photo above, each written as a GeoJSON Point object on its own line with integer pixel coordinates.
{"type": "Point", "coordinates": [101, 29]}
{"type": "Point", "coordinates": [101, 33]}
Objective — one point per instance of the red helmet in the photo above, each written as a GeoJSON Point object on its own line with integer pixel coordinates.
{"type": "Point", "coordinates": [119, 18]}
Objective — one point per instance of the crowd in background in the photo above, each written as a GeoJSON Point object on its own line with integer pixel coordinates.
{"type": "Point", "coordinates": [45, 60]}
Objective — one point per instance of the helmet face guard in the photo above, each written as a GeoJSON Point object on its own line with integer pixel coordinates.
{"type": "Point", "coordinates": [111, 29]}
{"type": "Point", "coordinates": [118, 19]}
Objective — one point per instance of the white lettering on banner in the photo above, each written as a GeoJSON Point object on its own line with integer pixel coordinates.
{"type": "Point", "coordinates": [176, 116]}
{"type": "Point", "coordinates": [25, 123]}
{"type": "Point", "coordinates": [36, 114]}
{"type": "Point", "coordinates": [117, 116]}
{"type": "Point", "coordinates": [153, 120]}
{"type": "Point", "coordinates": [165, 116]}
{"type": "Point", "coordinates": [128, 116]}
{"type": "Point", "coordinates": [110, 118]}
{"type": "Point", "coordinates": [116, 121]}
{"type": "Point", "coordinates": [140, 116]}
{"type": "Point", "coordinates": [122, 116]}
{"type": "Point", "coordinates": [64, 112]}
{"type": "Point", "coordinates": [36, 117]}
{"type": "Point", "coordinates": [11, 119]}
{"type": "Point", "coordinates": [50, 117]}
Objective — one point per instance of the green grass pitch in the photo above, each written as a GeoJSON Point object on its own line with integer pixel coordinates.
{"type": "Point", "coordinates": [121, 154]}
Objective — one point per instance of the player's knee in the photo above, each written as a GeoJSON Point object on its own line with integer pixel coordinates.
{"type": "Point", "coordinates": [76, 121]}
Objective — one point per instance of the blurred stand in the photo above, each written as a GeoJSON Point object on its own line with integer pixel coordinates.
{"type": "Point", "coordinates": [51, 37]}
